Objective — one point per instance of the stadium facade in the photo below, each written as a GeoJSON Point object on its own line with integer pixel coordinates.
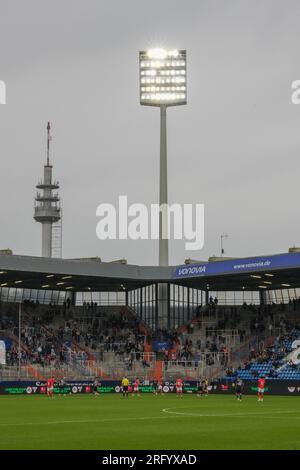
{"type": "Point", "coordinates": [255, 280]}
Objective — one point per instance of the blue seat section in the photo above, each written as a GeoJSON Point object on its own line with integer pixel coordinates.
{"type": "Point", "coordinates": [282, 370]}
{"type": "Point", "coordinates": [8, 342]}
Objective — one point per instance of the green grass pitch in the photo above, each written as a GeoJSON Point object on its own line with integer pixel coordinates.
{"type": "Point", "coordinates": [149, 422]}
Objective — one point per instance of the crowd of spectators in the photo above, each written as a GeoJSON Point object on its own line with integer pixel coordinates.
{"type": "Point", "coordinates": [54, 333]}
{"type": "Point", "coordinates": [50, 339]}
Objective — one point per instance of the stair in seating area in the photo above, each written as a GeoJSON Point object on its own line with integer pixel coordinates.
{"type": "Point", "coordinates": [158, 371]}
{"type": "Point", "coordinates": [33, 372]}
{"type": "Point", "coordinates": [148, 350]}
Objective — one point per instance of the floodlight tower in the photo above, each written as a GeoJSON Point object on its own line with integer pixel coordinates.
{"type": "Point", "coordinates": [47, 204]}
{"type": "Point", "coordinates": [163, 84]}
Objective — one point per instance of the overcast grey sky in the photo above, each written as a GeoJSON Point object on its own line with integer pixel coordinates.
{"type": "Point", "coordinates": [235, 147]}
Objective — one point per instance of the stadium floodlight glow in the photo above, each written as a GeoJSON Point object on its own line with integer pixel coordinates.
{"type": "Point", "coordinates": [157, 53]}
{"type": "Point", "coordinates": [163, 83]}
{"type": "Point", "coordinates": [162, 77]}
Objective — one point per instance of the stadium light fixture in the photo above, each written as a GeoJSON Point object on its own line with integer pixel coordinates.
{"type": "Point", "coordinates": [163, 83]}
{"type": "Point", "coordinates": [286, 285]}
{"type": "Point", "coordinates": [269, 275]}
{"type": "Point", "coordinates": [163, 77]}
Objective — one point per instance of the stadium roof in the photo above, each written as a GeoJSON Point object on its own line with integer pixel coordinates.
{"type": "Point", "coordinates": [273, 272]}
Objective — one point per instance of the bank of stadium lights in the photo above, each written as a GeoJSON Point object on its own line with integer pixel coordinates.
{"type": "Point", "coordinates": [286, 285]}
{"type": "Point", "coordinates": [269, 275]}
{"type": "Point", "coordinates": [163, 77]}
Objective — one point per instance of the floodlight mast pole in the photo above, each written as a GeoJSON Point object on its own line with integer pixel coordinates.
{"type": "Point", "coordinates": [163, 191]}
{"type": "Point", "coordinates": [19, 341]}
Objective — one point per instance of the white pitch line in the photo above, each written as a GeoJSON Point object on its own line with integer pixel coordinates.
{"type": "Point", "coordinates": [221, 415]}
{"type": "Point", "coordinates": [138, 418]}
{"type": "Point", "coordinates": [171, 415]}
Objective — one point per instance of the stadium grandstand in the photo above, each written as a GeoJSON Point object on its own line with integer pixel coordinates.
{"type": "Point", "coordinates": [82, 319]}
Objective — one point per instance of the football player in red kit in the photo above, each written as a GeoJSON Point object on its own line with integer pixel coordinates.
{"type": "Point", "coordinates": [136, 387]}
{"type": "Point", "coordinates": [261, 388]}
{"type": "Point", "coordinates": [179, 387]}
{"type": "Point", "coordinates": [50, 387]}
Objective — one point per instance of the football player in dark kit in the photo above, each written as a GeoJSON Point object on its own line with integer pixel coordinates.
{"type": "Point", "coordinates": [62, 385]}
{"type": "Point", "coordinates": [239, 389]}
{"type": "Point", "coordinates": [96, 384]}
